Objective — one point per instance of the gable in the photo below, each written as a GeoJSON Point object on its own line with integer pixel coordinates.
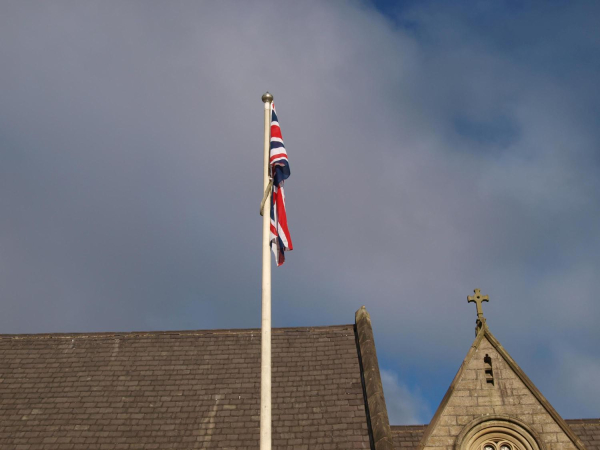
{"type": "Point", "coordinates": [490, 389]}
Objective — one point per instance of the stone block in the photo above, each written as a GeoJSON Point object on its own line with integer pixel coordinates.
{"type": "Point", "coordinates": [441, 431]}
{"type": "Point", "coordinates": [440, 441]}
{"type": "Point", "coordinates": [468, 384]}
{"type": "Point", "coordinates": [551, 428]}
{"type": "Point", "coordinates": [469, 374]}
{"type": "Point", "coordinates": [462, 401]}
{"type": "Point", "coordinates": [463, 393]}
{"type": "Point", "coordinates": [542, 419]}
{"type": "Point", "coordinates": [463, 420]}
{"type": "Point", "coordinates": [455, 430]}
{"type": "Point", "coordinates": [446, 420]}
{"type": "Point", "coordinates": [490, 400]}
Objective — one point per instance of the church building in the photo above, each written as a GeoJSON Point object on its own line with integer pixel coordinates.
{"type": "Point", "coordinates": [201, 390]}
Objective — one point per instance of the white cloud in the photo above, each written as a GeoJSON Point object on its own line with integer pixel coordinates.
{"type": "Point", "coordinates": [130, 167]}
{"type": "Point", "coordinates": [405, 407]}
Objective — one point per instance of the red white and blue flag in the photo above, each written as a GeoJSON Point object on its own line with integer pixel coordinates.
{"type": "Point", "coordinates": [280, 170]}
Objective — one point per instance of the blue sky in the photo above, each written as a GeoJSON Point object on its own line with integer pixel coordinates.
{"type": "Point", "coordinates": [435, 147]}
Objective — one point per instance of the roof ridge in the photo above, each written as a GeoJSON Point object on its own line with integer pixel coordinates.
{"type": "Point", "coordinates": [589, 420]}
{"type": "Point", "coordinates": [224, 331]}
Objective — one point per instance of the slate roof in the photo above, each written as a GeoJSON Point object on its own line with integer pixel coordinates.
{"type": "Point", "coordinates": [183, 390]}
{"type": "Point", "coordinates": [407, 437]}
{"type": "Point", "coordinates": [191, 389]}
{"type": "Point", "coordinates": [588, 431]}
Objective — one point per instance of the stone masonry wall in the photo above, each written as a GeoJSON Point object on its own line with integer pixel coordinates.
{"type": "Point", "coordinates": [473, 397]}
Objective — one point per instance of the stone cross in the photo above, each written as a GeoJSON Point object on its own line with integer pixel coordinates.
{"type": "Point", "coordinates": [478, 299]}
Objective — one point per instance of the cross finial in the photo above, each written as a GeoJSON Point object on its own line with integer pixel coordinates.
{"type": "Point", "coordinates": [478, 299]}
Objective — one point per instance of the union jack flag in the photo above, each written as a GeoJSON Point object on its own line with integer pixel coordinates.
{"type": "Point", "coordinates": [280, 170]}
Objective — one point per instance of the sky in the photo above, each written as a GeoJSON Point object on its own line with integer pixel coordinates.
{"type": "Point", "coordinates": [435, 147]}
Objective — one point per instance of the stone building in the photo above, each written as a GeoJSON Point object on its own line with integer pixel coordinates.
{"type": "Point", "coordinates": [200, 389]}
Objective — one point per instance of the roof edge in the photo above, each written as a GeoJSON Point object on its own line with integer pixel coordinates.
{"type": "Point", "coordinates": [377, 416]}
{"type": "Point", "coordinates": [104, 334]}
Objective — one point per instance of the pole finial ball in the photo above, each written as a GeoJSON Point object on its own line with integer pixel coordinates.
{"type": "Point", "coordinates": [267, 98]}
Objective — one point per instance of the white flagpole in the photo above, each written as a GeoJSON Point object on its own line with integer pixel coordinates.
{"type": "Point", "coordinates": [265, 358]}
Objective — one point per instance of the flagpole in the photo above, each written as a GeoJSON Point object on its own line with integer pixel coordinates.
{"type": "Point", "coordinates": [265, 358]}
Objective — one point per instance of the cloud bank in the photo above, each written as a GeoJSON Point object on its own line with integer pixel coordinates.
{"type": "Point", "coordinates": [433, 149]}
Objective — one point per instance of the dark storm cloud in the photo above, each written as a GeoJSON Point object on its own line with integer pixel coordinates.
{"type": "Point", "coordinates": [457, 152]}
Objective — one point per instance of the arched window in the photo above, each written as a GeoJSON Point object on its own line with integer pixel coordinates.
{"type": "Point", "coordinates": [498, 433]}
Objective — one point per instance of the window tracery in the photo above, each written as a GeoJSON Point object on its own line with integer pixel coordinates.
{"type": "Point", "coordinates": [498, 433]}
{"type": "Point", "coordinates": [500, 440]}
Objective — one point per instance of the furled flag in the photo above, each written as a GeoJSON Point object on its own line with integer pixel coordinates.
{"type": "Point", "coordinates": [280, 171]}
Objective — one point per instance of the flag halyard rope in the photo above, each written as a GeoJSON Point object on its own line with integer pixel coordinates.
{"type": "Point", "coordinates": [264, 200]}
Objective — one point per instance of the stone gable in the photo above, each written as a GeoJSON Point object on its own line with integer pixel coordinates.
{"type": "Point", "coordinates": [489, 384]}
